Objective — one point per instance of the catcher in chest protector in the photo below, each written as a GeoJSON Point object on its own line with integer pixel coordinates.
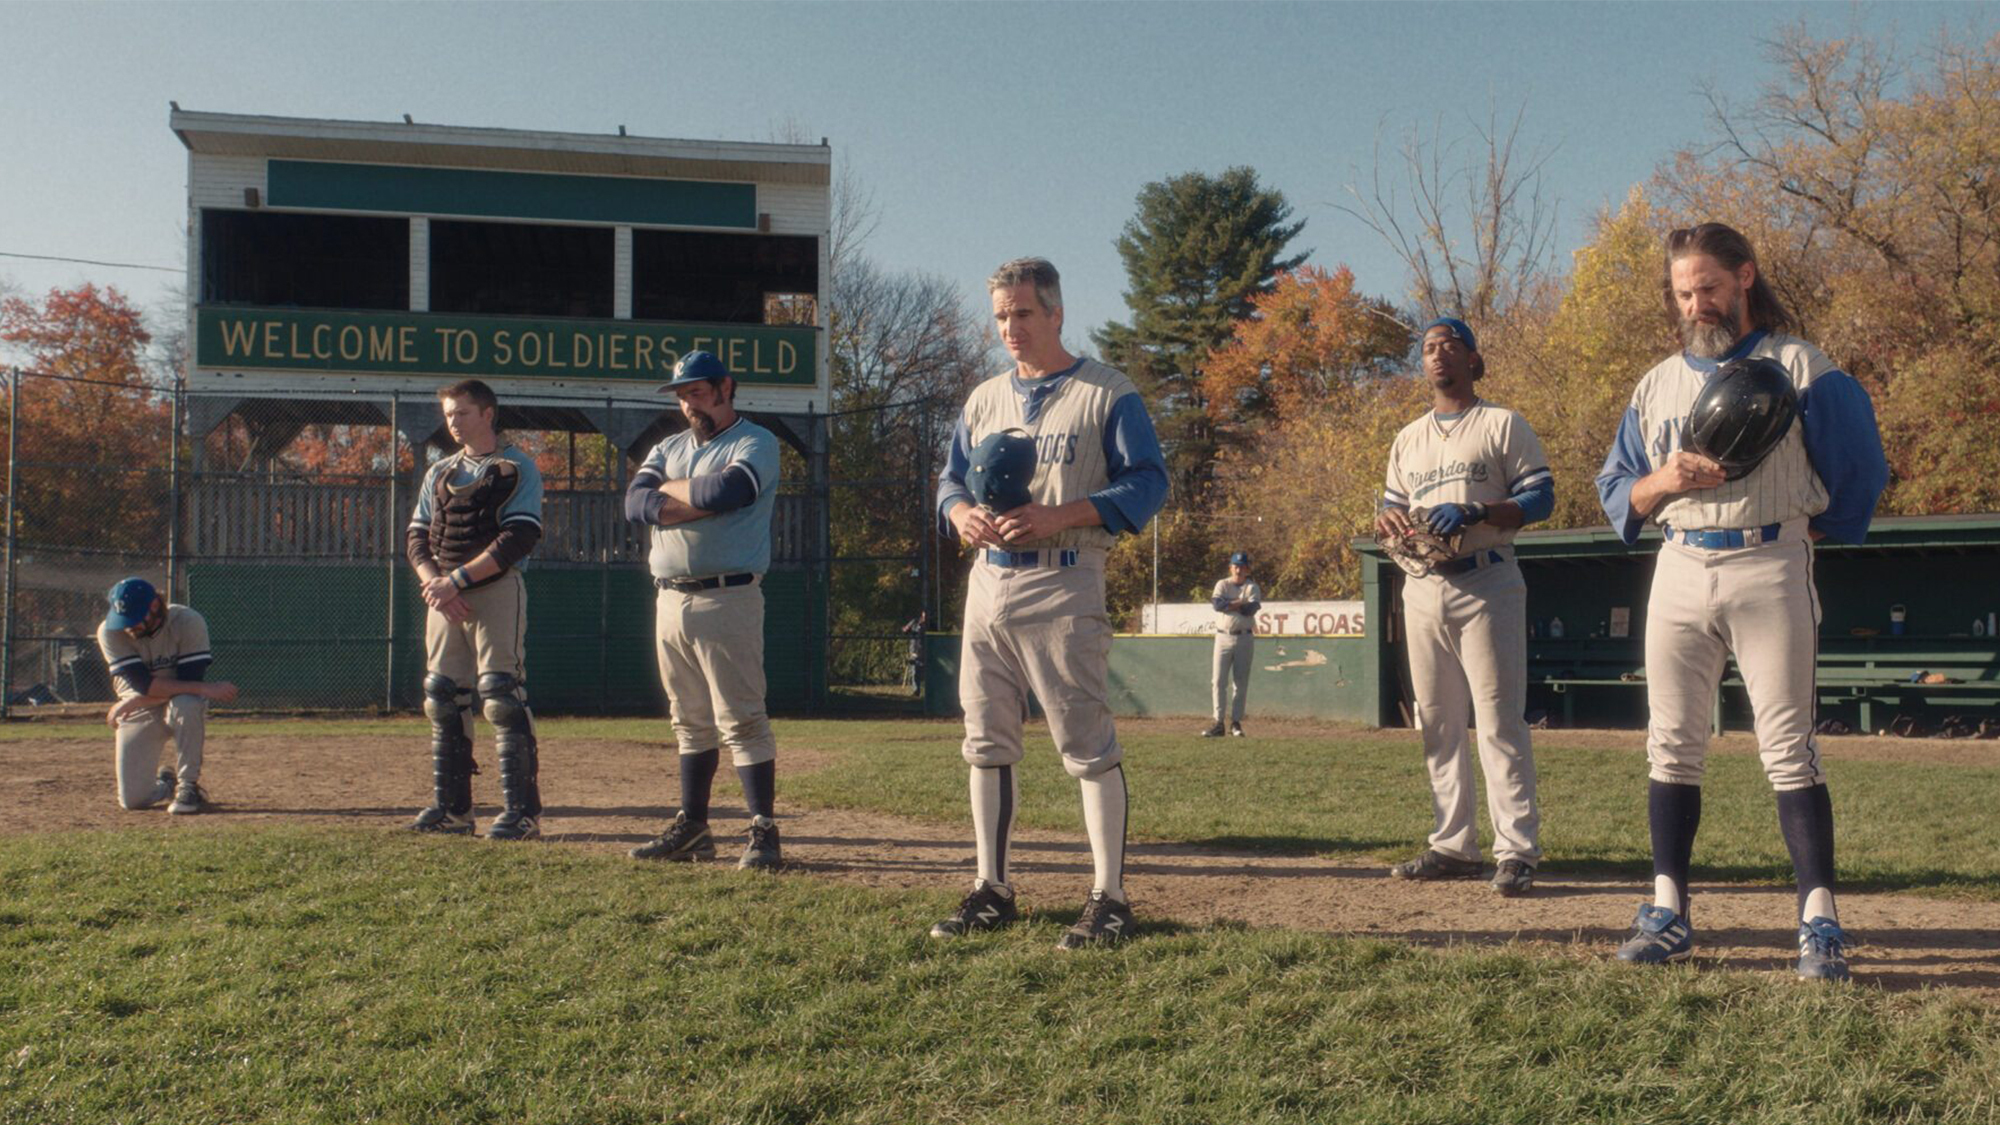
{"type": "Point", "coordinates": [1482, 475]}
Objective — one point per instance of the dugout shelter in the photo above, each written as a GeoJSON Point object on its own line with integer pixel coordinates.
{"type": "Point", "coordinates": [1905, 628]}
{"type": "Point", "coordinates": [339, 272]}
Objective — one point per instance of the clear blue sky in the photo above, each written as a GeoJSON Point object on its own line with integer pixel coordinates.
{"type": "Point", "coordinates": [986, 131]}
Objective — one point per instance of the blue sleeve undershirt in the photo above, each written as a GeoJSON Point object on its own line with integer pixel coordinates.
{"type": "Point", "coordinates": [1623, 466]}
{"type": "Point", "coordinates": [1536, 501]}
{"type": "Point", "coordinates": [733, 487]}
{"type": "Point", "coordinates": [1132, 460]}
{"type": "Point", "coordinates": [951, 478]}
{"type": "Point", "coordinates": [1845, 447]}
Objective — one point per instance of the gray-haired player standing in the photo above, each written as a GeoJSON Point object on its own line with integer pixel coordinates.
{"type": "Point", "coordinates": [1034, 608]}
{"type": "Point", "coordinates": [706, 493]}
{"type": "Point", "coordinates": [1736, 576]}
{"type": "Point", "coordinates": [1479, 469]}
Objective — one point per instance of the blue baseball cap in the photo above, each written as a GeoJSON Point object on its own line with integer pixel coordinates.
{"type": "Point", "coordinates": [1456, 327]}
{"type": "Point", "coordinates": [696, 367]}
{"type": "Point", "coordinates": [131, 600]}
{"type": "Point", "coordinates": [1240, 558]}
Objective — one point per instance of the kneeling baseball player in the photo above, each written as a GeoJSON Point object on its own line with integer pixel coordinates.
{"type": "Point", "coordinates": [158, 654]}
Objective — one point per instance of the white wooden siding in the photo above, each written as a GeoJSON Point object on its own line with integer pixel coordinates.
{"type": "Point", "coordinates": [795, 208]}
{"type": "Point", "coordinates": [218, 181]}
{"type": "Point", "coordinates": [621, 273]}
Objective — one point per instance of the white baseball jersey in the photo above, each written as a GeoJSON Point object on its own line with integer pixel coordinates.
{"type": "Point", "coordinates": [1228, 590]}
{"type": "Point", "coordinates": [1484, 455]}
{"type": "Point", "coordinates": [181, 640]}
{"type": "Point", "coordinates": [1783, 487]}
{"type": "Point", "coordinates": [1069, 438]}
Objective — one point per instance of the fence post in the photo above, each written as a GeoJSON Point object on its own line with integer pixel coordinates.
{"type": "Point", "coordinates": [13, 473]}
{"type": "Point", "coordinates": [389, 521]}
{"type": "Point", "coordinates": [178, 416]}
{"type": "Point", "coordinates": [615, 469]}
{"type": "Point", "coordinates": [926, 572]}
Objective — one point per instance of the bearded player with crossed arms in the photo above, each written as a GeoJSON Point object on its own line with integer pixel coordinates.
{"type": "Point", "coordinates": [1736, 574]}
{"type": "Point", "coordinates": [1034, 610]}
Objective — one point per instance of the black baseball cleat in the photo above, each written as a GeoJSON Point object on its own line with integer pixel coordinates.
{"type": "Point", "coordinates": [1105, 920]}
{"type": "Point", "coordinates": [1434, 865]}
{"type": "Point", "coordinates": [164, 788]}
{"type": "Point", "coordinates": [1212, 731]}
{"type": "Point", "coordinates": [762, 853]}
{"type": "Point", "coordinates": [983, 909]}
{"type": "Point", "coordinates": [1514, 877]}
{"type": "Point", "coordinates": [514, 825]}
{"type": "Point", "coordinates": [435, 819]}
{"type": "Point", "coordinates": [1236, 730]}
{"type": "Point", "coordinates": [188, 799]}
{"type": "Point", "coordinates": [684, 841]}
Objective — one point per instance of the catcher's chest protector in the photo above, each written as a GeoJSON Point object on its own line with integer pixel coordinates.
{"type": "Point", "coordinates": [469, 515]}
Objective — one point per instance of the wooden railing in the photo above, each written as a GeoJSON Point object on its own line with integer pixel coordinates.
{"type": "Point", "coordinates": [230, 517]}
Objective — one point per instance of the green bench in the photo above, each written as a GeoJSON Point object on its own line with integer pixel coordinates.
{"type": "Point", "coordinates": [1867, 672]}
{"type": "Point", "coordinates": [1872, 672]}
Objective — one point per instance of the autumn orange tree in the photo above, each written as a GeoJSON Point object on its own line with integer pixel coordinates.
{"type": "Point", "coordinates": [1318, 370]}
{"type": "Point", "coordinates": [94, 432]}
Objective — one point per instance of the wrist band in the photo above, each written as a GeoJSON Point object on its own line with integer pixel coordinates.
{"type": "Point", "coordinates": [460, 579]}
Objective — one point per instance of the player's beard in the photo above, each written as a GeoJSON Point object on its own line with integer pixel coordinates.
{"type": "Point", "coordinates": [701, 423]}
{"type": "Point", "coordinates": [1713, 341]}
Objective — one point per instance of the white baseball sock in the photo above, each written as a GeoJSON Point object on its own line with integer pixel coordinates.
{"type": "Point", "coordinates": [1819, 904]}
{"type": "Point", "coordinates": [1104, 821]}
{"type": "Point", "coordinates": [1667, 895]}
{"type": "Point", "coordinates": [995, 794]}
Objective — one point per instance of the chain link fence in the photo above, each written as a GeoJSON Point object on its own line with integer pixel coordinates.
{"type": "Point", "coordinates": [282, 521]}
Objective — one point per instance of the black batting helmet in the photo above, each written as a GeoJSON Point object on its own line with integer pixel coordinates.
{"type": "Point", "coordinates": [1743, 411]}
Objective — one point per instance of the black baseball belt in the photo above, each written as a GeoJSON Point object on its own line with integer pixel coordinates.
{"type": "Point", "coordinates": [697, 585]}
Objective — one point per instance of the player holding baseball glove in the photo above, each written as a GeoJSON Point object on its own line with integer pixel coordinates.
{"type": "Point", "coordinates": [1481, 474]}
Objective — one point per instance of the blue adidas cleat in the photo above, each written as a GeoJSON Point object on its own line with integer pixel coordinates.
{"type": "Point", "coordinates": [1659, 937]}
{"type": "Point", "coordinates": [1823, 950]}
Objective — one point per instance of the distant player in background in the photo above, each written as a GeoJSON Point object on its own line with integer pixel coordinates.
{"type": "Point", "coordinates": [158, 654]}
{"type": "Point", "coordinates": [706, 494]}
{"type": "Point", "coordinates": [1034, 610]}
{"type": "Point", "coordinates": [1478, 470]}
{"type": "Point", "coordinates": [1236, 600]}
{"type": "Point", "coordinates": [1736, 576]}
{"type": "Point", "coordinates": [478, 515]}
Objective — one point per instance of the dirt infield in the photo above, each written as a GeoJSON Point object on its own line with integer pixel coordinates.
{"type": "Point", "coordinates": [611, 794]}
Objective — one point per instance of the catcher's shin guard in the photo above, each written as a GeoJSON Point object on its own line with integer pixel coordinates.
{"type": "Point", "coordinates": [520, 766]}
{"type": "Point", "coordinates": [451, 757]}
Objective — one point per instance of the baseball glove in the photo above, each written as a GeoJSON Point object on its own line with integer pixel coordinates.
{"type": "Point", "coordinates": [1419, 549]}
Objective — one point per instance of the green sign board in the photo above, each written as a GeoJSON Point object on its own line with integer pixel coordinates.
{"type": "Point", "coordinates": [459, 347]}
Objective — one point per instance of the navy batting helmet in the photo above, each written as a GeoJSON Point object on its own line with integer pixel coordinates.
{"type": "Point", "coordinates": [1743, 411]}
{"type": "Point", "coordinates": [1002, 466]}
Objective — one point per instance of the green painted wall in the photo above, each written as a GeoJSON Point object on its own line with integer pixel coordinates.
{"type": "Point", "coordinates": [405, 190]}
{"type": "Point", "coordinates": [295, 636]}
{"type": "Point", "coordinates": [1316, 677]}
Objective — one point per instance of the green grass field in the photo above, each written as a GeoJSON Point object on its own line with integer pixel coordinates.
{"type": "Point", "coordinates": [287, 974]}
